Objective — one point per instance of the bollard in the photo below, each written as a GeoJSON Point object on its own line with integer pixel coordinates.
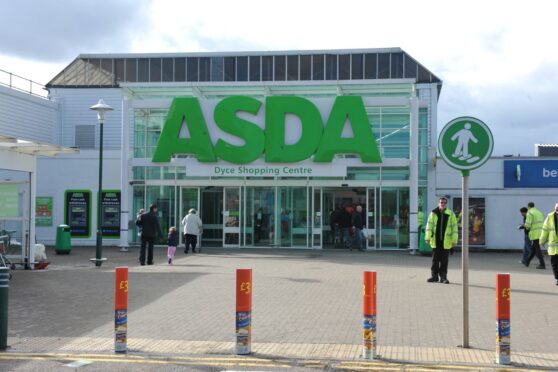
{"type": "Point", "coordinates": [369, 315]}
{"type": "Point", "coordinates": [4, 289]}
{"type": "Point", "coordinates": [503, 332]}
{"type": "Point", "coordinates": [243, 311]}
{"type": "Point", "coordinates": [121, 309]}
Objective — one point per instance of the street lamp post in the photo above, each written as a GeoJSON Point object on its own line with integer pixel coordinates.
{"type": "Point", "coordinates": [101, 108]}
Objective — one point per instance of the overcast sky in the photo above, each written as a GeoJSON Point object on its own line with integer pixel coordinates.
{"type": "Point", "coordinates": [498, 59]}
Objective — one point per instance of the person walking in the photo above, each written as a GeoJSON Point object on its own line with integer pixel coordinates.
{"type": "Point", "coordinates": [345, 226]}
{"type": "Point", "coordinates": [150, 227]}
{"type": "Point", "coordinates": [334, 224]}
{"type": "Point", "coordinates": [192, 228]}
{"type": "Point", "coordinates": [172, 243]}
{"type": "Point", "coordinates": [441, 234]}
{"type": "Point", "coordinates": [526, 240]}
{"type": "Point", "coordinates": [550, 234]}
{"type": "Point", "coordinates": [534, 222]}
{"type": "Point", "coordinates": [358, 224]}
{"type": "Point", "coordinates": [141, 211]}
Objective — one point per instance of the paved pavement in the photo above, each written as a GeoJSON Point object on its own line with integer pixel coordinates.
{"type": "Point", "coordinates": [307, 306]}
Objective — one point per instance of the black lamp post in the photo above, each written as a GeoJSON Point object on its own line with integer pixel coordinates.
{"type": "Point", "coordinates": [101, 107]}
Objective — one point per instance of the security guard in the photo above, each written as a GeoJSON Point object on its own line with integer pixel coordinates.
{"type": "Point", "coordinates": [550, 234]}
{"type": "Point", "coordinates": [534, 222]}
{"type": "Point", "coordinates": [441, 234]}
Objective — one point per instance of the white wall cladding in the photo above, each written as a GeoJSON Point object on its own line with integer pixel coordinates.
{"type": "Point", "coordinates": [502, 204]}
{"type": "Point", "coordinates": [27, 117]}
{"type": "Point", "coordinates": [74, 108]}
{"type": "Point", "coordinates": [71, 172]}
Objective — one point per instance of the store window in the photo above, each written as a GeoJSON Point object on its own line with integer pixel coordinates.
{"type": "Point", "coordinates": [143, 70]}
{"type": "Point", "coordinates": [155, 69]}
{"type": "Point", "coordinates": [318, 67]}
{"type": "Point", "coordinates": [280, 68]}
{"type": "Point", "coordinates": [242, 69]}
{"type": "Point", "coordinates": [305, 67]}
{"type": "Point", "coordinates": [344, 67]}
{"type": "Point", "coordinates": [230, 69]}
{"type": "Point", "coordinates": [383, 66]}
{"type": "Point", "coordinates": [292, 67]}
{"type": "Point", "coordinates": [131, 70]}
{"type": "Point", "coordinates": [370, 65]}
{"type": "Point", "coordinates": [168, 69]}
{"type": "Point", "coordinates": [255, 68]}
{"type": "Point", "coordinates": [267, 68]}
{"type": "Point", "coordinates": [180, 69]}
{"type": "Point", "coordinates": [357, 66]}
{"type": "Point", "coordinates": [216, 68]}
{"type": "Point", "coordinates": [331, 67]}
{"type": "Point", "coordinates": [204, 69]}
{"type": "Point", "coordinates": [410, 68]}
{"type": "Point", "coordinates": [119, 69]}
{"type": "Point", "coordinates": [192, 65]}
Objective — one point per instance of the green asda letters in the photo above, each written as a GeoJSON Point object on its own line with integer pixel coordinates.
{"type": "Point", "coordinates": [315, 140]}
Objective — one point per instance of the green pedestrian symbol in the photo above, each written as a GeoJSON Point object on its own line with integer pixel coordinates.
{"type": "Point", "coordinates": [465, 143]}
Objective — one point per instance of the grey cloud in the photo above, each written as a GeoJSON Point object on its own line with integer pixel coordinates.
{"type": "Point", "coordinates": [58, 30]}
{"type": "Point", "coordinates": [519, 113]}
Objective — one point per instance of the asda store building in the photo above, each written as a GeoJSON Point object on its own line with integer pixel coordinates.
{"type": "Point", "coordinates": [264, 145]}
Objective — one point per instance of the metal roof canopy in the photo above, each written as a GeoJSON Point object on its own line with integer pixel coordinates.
{"type": "Point", "coordinates": [17, 145]}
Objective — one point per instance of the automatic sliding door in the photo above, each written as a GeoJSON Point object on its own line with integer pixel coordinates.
{"type": "Point", "coordinates": [211, 213]}
{"type": "Point", "coordinates": [371, 216]}
{"type": "Point", "coordinates": [189, 198]}
{"type": "Point", "coordinates": [231, 217]}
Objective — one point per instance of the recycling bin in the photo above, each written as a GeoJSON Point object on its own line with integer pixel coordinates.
{"type": "Point", "coordinates": [63, 239]}
{"type": "Point", "coordinates": [424, 247]}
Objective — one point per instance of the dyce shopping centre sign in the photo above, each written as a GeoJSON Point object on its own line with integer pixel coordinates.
{"type": "Point", "coordinates": [288, 131]}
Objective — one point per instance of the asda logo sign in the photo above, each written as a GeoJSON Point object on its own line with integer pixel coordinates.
{"type": "Point", "coordinates": [286, 129]}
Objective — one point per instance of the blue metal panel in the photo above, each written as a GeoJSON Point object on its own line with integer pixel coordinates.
{"type": "Point", "coordinates": [530, 173]}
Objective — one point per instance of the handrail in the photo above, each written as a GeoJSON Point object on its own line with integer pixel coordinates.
{"type": "Point", "coordinates": [22, 84]}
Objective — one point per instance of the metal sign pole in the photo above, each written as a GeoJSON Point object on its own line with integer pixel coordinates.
{"type": "Point", "coordinates": [465, 254]}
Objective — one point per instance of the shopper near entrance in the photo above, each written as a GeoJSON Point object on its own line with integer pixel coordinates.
{"type": "Point", "coordinates": [172, 243]}
{"type": "Point", "coordinates": [193, 226]}
{"type": "Point", "coordinates": [258, 223]}
{"type": "Point", "coordinates": [345, 220]}
{"type": "Point", "coordinates": [150, 227]}
{"type": "Point", "coordinates": [441, 234]}
{"type": "Point", "coordinates": [358, 224]}
{"type": "Point", "coordinates": [550, 234]}
{"type": "Point", "coordinates": [526, 240]}
{"type": "Point", "coordinates": [334, 224]}
{"type": "Point", "coordinates": [534, 222]}
{"type": "Point", "coordinates": [141, 211]}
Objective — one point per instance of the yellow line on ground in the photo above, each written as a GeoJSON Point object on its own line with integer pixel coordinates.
{"type": "Point", "coordinates": [144, 361]}
{"type": "Point", "coordinates": [132, 356]}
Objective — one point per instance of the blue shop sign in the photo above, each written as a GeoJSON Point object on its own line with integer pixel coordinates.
{"type": "Point", "coordinates": [530, 173]}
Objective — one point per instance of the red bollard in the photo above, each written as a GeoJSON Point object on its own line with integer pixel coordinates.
{"type": "Point", "coordinates": [503, 329]}
{"type": "Point", "coordinates": [243, 311]}
{"type": "Point", "coordinates": [121, 309]}
{"type": "Point", "coordinates": [369, 315]}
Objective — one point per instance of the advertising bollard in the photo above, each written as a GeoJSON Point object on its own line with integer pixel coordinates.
{"type": "Point", "coordinates": [243, 311]}
{"type": "Point", "coordinates": [121, 309]}
{"type": "Point", "coordinates": [369, 315]}
{"type": "Point", "coordinates": [4, 288]}
{"type": "Point", "coordinates": [503, 332]}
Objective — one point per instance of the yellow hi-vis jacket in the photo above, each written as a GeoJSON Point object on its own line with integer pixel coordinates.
{"type": "Point", "coordinates": [534, 223]}
{"type": "Point", "coordinates": [450, 237]}
{"type": "Point", "coordinates": [549, 234]}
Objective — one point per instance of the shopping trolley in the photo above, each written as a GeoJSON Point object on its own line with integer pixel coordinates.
{"type": "Point", "coordinates": [6, 248]}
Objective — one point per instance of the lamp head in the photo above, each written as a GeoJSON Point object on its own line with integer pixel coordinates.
{"type": "Point", "coordinates": [101, 107]}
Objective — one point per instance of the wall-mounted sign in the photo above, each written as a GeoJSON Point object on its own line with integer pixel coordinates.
{"type": "Point", "coordinates": [531, 173]}
{"type": "Point", "coordinates": [281, 130]}
{"type": "Point", "coordinates": [43, 211]}
{"type": "Point", "coordinates": [9, 200]}
{"type": "Point", "coordinates": [77, 212]}
{"type": "Point", "coordinates": [110, 213]}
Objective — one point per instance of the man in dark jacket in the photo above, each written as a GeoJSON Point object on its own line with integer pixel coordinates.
{"type": "Point", "coordinates": [345, 224]}
{"type": "Point", "coordinates": [150, 227]}
{"type": "Point", "coordinates": [358, 224]}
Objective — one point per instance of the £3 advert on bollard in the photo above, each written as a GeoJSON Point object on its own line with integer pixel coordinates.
{"type": "Point", "coordinates": [503, 315]}
{"type": "Point", "coordinates": [369, 315]}
{"type": "Point", "coordinates": [121, 309]}
{"type": "Point", "coordinates": [243, 311]}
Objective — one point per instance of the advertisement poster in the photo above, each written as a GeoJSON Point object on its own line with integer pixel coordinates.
{"type": "Point", "coordinates": [77, 212]}
{"type": "Point", "coordinates": [110, 213]}
{"type": "Point", "coordinates": [43, 211]}
{"type": "Point", "coordinates": [476, 220]}
{"type": "Point", "coordinates": [9, 200]}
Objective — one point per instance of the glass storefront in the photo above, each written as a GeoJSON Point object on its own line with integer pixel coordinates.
{"type": "Point", "coordinates": [282, 216]}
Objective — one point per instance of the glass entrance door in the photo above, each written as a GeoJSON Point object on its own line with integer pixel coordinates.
{"type": "Point", "coordinates": [292, 226]}
{"type": "Point", "coordinates": [231, 216]}
{"type": "Point", "coordinates": [371, 217]}
{"type": "Point", "coordinates": [395, 218]}
{"type": "Point", "coordinates": [259, 216]}
{"type": "Point", "coordinates": [189, 198]}
{"type": "Point", "coordinates": [211, 213]}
